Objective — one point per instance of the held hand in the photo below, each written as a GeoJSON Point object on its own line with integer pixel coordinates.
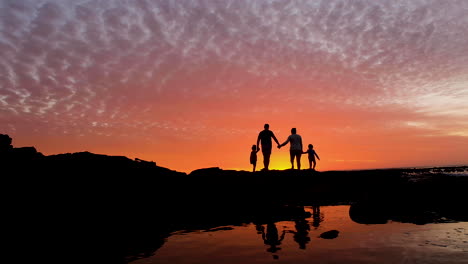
{"type": "Point", "coordinates": [279, 146]}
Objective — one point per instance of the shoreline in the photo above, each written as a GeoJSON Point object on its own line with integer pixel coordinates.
{"type": "Point", "coordinates": [111, 207]}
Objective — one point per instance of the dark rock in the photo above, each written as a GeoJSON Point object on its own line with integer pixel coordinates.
{"type": "Point", "coordinates": [369, 213]}
{"type": "Point", "coordinates": [28, 161]}
{"type": "Point", "coordinates": [145, 163]}
{"type": "Point", "coordinates": [5, 142]}
{"type": "Point", "coordinates": [330, 234]}
{"type": "Point", "coordinates": [17, 158]}
{"type": "Point", "coordinates": [97, 192]}
{"type": "Point", "coordinates": [213, 171]}
{"type": "Point", "coordinates": [26, 152]}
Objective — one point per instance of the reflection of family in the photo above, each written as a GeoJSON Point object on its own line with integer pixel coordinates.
{"type": "Point", "coordinates": [273, 238]}
{"type": "Point", "coordinates": [295, 150]}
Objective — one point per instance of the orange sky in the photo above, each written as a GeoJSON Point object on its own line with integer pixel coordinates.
{"type": "Point", "coordinates": [190, 84]}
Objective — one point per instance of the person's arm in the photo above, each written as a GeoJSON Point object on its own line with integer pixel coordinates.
{"type": "Point", "coordinates": [274, 138]}
{"type": "Point", "coordinates": [286, 142]}
{"type": "Point", "coordinates": [282, 236]}
{"type": "Point", "coordinates": [300, 141]}
{"type": "Point", "coordinates": [315, 153]}
{"type": "Point", "coordinates": [258, 140]}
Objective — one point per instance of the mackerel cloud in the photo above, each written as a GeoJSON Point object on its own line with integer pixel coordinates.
{"type": "Point", "coordinates": [77, 66]}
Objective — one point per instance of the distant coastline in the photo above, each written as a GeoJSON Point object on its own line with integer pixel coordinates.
{"type": "Point", "coordinates": [22, 155]}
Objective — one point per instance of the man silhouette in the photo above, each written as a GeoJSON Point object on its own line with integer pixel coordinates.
{"type": "Point", "coordinates": [265, 137]}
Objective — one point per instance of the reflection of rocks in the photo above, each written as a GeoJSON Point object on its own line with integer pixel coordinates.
{"type": "Point", "coordinates": [368, 213]}
{"type": "Point", "coordinates": [436, 200]}
{"type": "Point", "coordinates": [330, 234]}
{"type": "Point", "coordinates": [374, 213]}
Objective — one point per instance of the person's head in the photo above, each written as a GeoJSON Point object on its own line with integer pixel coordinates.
{"type": "Point", "coordinates": [293, 130]}
{"type": "Point", "coordinates": [266, 126]}
{"type": "Point", "coordinates": [254, 147]}
{"type": "Point", "coordinates": [311, 146]}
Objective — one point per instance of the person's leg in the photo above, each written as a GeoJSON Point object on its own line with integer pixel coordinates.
{"type": "Point", "coordinates": [310, 164]}
{"type": "Point", "coordinates": [298, 159]}
{"type": "Point", "coordinates": [314, 164]}
{"type": "Point", "coordinates": [267, 160]}
{"type": "Point", "coordinates": [291, 155]}
{"type": "Point", "coordinates": [266, 157]}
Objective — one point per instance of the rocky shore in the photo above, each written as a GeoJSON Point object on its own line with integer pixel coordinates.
{"type": "Point", "coordinates": [111, 207]}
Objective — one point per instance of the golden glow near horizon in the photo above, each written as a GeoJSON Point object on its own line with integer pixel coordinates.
{"type": "Point", "coordinates": [189, 84]}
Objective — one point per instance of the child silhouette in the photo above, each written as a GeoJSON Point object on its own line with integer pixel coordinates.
{"type": "Point", "coordinates": [312, 155]}
{"type": "Point", "coordinates": [253, 156]}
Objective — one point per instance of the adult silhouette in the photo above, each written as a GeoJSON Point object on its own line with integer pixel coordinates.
{"type": "Point", "coordinates": [265, 137]}
{"type": "Point", "coordinates": [295, 150]}
{"type": "Point", "coordinates": [272, 238]}
{"type": "Point", "coordinates": [301, 234]}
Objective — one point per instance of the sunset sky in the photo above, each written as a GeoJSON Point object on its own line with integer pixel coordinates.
{"type": "Point", "coordinates": [189, 84]}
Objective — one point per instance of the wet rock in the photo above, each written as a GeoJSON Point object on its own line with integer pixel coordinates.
{"type": "Point", "coordinates": [330, 234]}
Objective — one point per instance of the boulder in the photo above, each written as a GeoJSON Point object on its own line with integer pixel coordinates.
{"type": "Point", "coordinates": [330, 234]}
{"type": "Point", "coordinates": [5, 143]}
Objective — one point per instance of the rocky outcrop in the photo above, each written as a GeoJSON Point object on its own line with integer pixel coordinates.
{"type": "Point", "coordinates": [16, 158]}
{"type": "Point", "coordinates": [5, 143]}
{"type": "Point", "coordinates": [122, 207]}
{"type": "Point", "coordinates": [28, 161]}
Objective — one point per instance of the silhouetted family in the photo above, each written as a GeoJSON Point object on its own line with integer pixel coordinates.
{"type": "Point", "coordinates": [295, 151]}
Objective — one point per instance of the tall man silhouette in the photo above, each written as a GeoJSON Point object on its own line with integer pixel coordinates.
{"type": "Point", "coordinates": [265, 137]}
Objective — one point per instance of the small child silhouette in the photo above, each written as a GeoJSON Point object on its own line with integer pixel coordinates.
{"type": "Point", "coordinates": [312, 155]}
{"type": "Point", "coordinates": [253, 156]}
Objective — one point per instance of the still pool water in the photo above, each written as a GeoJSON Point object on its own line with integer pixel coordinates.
{"type": "Point", "coordinates": [301, 241]}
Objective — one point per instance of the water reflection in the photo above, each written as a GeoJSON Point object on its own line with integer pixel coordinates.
{"type": "Point", "coordinates": [301, 234]}
{"type": "Point", "coordinates": [316, 216]}
{"type": "Point", "coordinates": [272, 239]}
{"type": "Point", "coordinates": [287, 231]}
{"type": "Point", "coordinates": [302, 226]}
{"type": "Point", "coordinates": [267, 227]}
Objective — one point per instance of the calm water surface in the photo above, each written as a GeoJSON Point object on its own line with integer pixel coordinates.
{"type": "Point", "coordinates": [300, 241]}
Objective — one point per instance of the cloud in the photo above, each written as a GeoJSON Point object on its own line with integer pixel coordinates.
{"type": "Point", "coordinates": [88, 60]}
